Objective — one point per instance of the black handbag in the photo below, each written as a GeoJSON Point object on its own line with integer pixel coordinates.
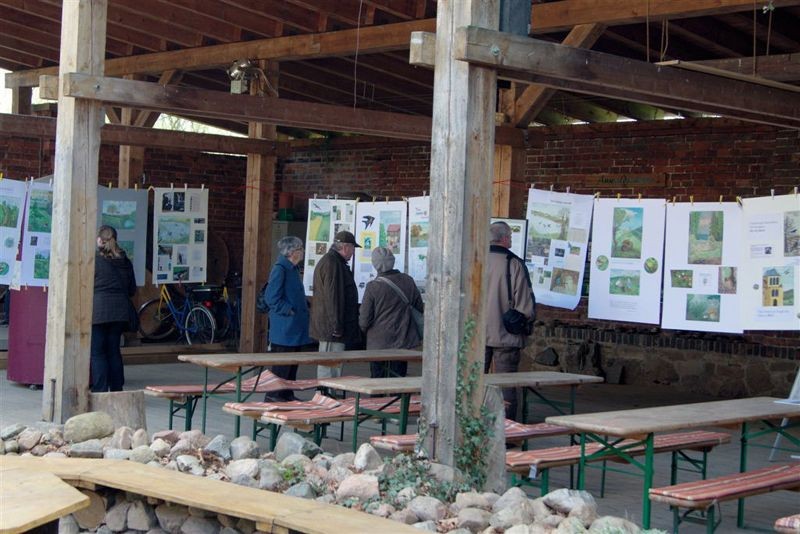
{"type": "Point", "coordinates": [514, 321]}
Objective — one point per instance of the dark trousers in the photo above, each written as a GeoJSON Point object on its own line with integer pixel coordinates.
{"type": "Point", "coordinates": [287, 372]}
{"type": "Point", "coordinates": [506, 360]}
{"type": "Point", "coordinates": [388, 369]}
{"type": "Point", "coordinates": [106, 360]}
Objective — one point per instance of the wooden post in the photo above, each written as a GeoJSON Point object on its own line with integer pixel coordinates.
{"type": "Point", "coordinates": [461, 169]}
{"type": "Point", "coordinates": [508, 189]}
{"type": "Point", "coordinates": [258, 210]}
{"type": "Point", "coordinates": [21, 100]}
{"type": "Point", "coordinates": [131, 158]}
{"type": "Point", "coordinates": [69, 307]}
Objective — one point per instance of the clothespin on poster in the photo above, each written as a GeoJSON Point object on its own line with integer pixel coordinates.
{"type": "Point", "coordinates": [185, 187]}
{"type": "Point", "coordinates": [44, 289]}
{"type": "Point", "coordinates": [51, 181]}
{"type": "Point", "coordinates": [640, 197]}
{"type": "Point", "coordinates": [551, 187]}
{"type": "Point", "coordinates": [567, 189]}
{"type": "Point", "coordinates": [387, 198]}
{"type": "Point", "coordinates": [136, 186]}
{"type": "Point", "coordinates": [336, 196]}
{"type": "Point", "coordinates": [795, 187]}
{"type": "Point", "coordinates": [373, 200]}
{"type": "Point", "coordinates": [172, 187]}
{"type": "Point", "coordinates": [358, 200]}
{"type": "Point", "coordinates": [202, 187]}
{"type": "Point", "coordinates": [739, 201]}
{"type": "Point", "coordinates": [315, 196]}
{"type": "Point", "coordinates": [772, 193]}
{"type": "Point", "coordinates": [619, 196]}
{"type": "Point", "coordinates": [533, 185]}
{"type": "Point", "coordinates": [720, 199]}
{"type": "Point", "coordinates": [405, 199]}
{"type": "Point", "coordinates": [109, 185]}
{"type": "Point", "coordinates": [151, 188]}
{"type": "Point", "coordinates": [425, 193]}
{"type": "Point", "coordinates": [597, 195]}
{"type": "Point", "coordinates": [1, 176]}
{"type": "Point", "coordinates": [691, 199]}
{"type": "Point", "coordinates": [673, 200]}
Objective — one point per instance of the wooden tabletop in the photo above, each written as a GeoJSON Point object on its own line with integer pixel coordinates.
{"type": "Point", "coordinates": [643, 421]}
{"type": "Point", "coordinates": [29, 499]}
{"type": "Point", "coordinates": [413, 384]}
{"type": "Point", "coordinates": [232, 361]}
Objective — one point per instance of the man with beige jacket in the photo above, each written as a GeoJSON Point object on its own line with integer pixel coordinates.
{"type": "Point", "coordinates": [506, 274]}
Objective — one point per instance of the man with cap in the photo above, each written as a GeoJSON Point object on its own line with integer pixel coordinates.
{"type": "Point", "coordinates": [385, 315]}
{"type": "Point", "coordinates": [334, 311]}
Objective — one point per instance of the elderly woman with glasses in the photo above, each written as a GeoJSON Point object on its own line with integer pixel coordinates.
{"type": "Point", "coordinates": [288, 310]}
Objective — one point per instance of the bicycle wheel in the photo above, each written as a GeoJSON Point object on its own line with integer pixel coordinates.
{"type": "Point", "coordinates": [200, 326]}
{"type": "Point", "coordinates": [155, 321]}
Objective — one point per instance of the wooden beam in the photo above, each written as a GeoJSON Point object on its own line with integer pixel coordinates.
{"type": "Point", "coordinates": [368, 40]}
{"type": "Point", "coordinates": [508, 184]}
{"type": "Point", "coordinates": [780, 68]}
{"type": "Point", "coordinates": [21, 100]}
{"type": "Point", "coordinates": [112, 134]}
{"type": "Point", "coordinates": [69, 303]}
{"type": "Point", "coordinates": [585, 71]}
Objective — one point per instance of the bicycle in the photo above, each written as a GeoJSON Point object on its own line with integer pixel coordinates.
{"type": "Point", "coordinates": [225, 309]}
{"type": "Point", "coordinates": [160, 318]}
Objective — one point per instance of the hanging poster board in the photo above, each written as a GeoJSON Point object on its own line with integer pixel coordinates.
{"type": "Point", "coordinates": [12, 209]}
{"type": "Point", "coordinates": [379, 224]}
{"type": "Point", "coordinates": [325, 218]}
{"type": "Point", "coordinates": [770, 273]}
{"type": "Point", "coordinates": [701, 267]}
{"type": "Point", "coordinates": [419, 215]}
{"type": "Point", "coordinates": [125, 210]}
{"type": "Point", "coordinates": [627, 260]}
{"type": "Point", "coordinates": [38, 229]}
{"type": "Point", "coordinates": [555, 252]}
{"type": "Point", "coordinates": [180, 235]}
{"type": "Point", "coordinates": [519, 234]}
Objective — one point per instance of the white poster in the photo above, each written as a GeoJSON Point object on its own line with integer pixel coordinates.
{"type": "Point", "coordinates": [379, 224]}
{"type": "Point", "coordinates": [701, 267]}
{"type": "Point", "coordinates": [180, 235]}
{"type": "Point", "coordinates": [627, 258]}
{"type": "Point", "coordinates": [326, 217]}
{"type": "Point", "coordinates": [771, 263]}
{"type": "Point", "coordinates": [125, 210]}
{"type": "Point", "coordinates": [36, 239]}
{"type": "Point", "coordinates": [12, 209]}
{"type": "Point", "coordinates": [419, 215]}
{"type": "Point", "coordinates": [519, 234]}
{"type": "Point", "coordinates": [558, 237]}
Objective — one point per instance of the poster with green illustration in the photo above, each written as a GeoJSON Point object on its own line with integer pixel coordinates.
{"type": "Point", "coordinates": [389, 230]}
{"type": "Point", "coordinates": [626, 233]}
{"type": "Point", "coordinates": [702, 308]}
{"type": "Point", "coordinates": [174, 230]}
{"type": "Point", "coordinates": [791, 233]}
{"type": "Point", "coordinates": [705, 237]}
{"type": "Point", "coordinates": [418, 234]}
{"type": "Point", "coordinates": [777, 286]}
{"type": "Point", "coordinates": [128, 247]}
{"type": "Point", "coordinates": [319, 226]}
{"type": "Point", "coordinates": [40, 211]}
{"type": "Point", "coordinates": [9, 211]}
{"type": "Point", "coordinates": [547, 222]}
{"type": "Point", "coordinates": [624, 282]}
{"type": "Point", "coordinates": [119, 214]}
{"type": "Point", "coordinates": [41, 264]}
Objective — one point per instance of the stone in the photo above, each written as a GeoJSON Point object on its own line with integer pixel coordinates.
{"type": "Point", "coordinates": [512, 497]}
{"type": "Point", "coordinates": [139, 438]}
{"type": "Point", "coordinates": [226, 520]}
{"type": "Point", "coordinates": [54, 436]}
{"type": "Point", "coordinates": [245, 526]}
{"type": "Point", "coordinates": [405, 495]}
{"type": "Point", "coordinates": [55, 455]}
{"type": "Point", "coordinates": [141, 516]}
{"type": "Point", "coordinates": [323, 460]}
{"type": "Point", "coordinates": [142, 454]}
{"type": "Point", "coordinates": [11, 431]}
{"type": "Point", "coordinates": [441, 472]}
{"type": "Point", "coordinates": [550, 520]}
{"type": "Point", "coordinates": [28, 439]}
{"type": "Point", "coordinates": [41, 449]}
{"type": "Point", "coordinates": [270, 478]}
{"type": "Point", "coordinates": [2, 446]}
{"type": "Point", "coordinates": [337, 474]}
{"type": "Point", "coordinates": [182, 446]}
{"type": "Point", "coordinates": [228, 530]}
{"type": "Point", "coordinates": [429, 526]}
{"type": "Point", "coordinates": [570, 525]}
{"type": "Point", "coordinates": [219, 446]}
{"type": "Point", "coordinates": [367, 458]}
{"type": "Point", "coordinates": [404, 516]}
{"type": "Point", "coordinates": [86, 426]}
{"type": "Point", "coordinates": [472, 499]}
{"type": "Point", "coordinates": [428, 508]}
{"type": "Point", "coordinates": [199, 525]}
{"type": "Point", "coordinates": [362, 487]}
{"type": "Point", "coordinates": [117, 516]}
{"type": "Point", "coordinates": [291, 443]}
{"type": "Point", "coordinates": [242, 479]}
{"type": "Point", "coordinates": [68, 525]}
{"type": "Point", "coordinates": [328, 498]}
{"type": "Point", "coordinates": [156, 531]}
{"type": "Point", "coordinates": [540, 509]}
{"type": "Point", "coordinates": [292, 459]}
{"type": "Point", "coordinates": [92, 448]}
{"type": "Point", "coordinates": [564, 500]}
{"type": "Point", "coordinates": [520, 512]}
{"type": "Point", "coordinates": [519, 529]}
{"type": "Point", "coordinates": [345, 460]}
{"type": "Point", "coordinates": [244, 447]}
{"type": "Point", "coordinates": [473, 519]}
{"type": "Point", "coordinates": [201, 512]}
{"type": "Point", "coordinates": [196, 438]}
{"type": "Point", "coordinates": [122, 438]}
{"type": "Point", "coordinates": [187, 463]}
{"type": "Point", "coordinates": [170, 436]}
{"type": "Point", "coordinates": [380, 509]}
{"type": "Point", "coordinates": [248, 467]}
{"type": "Point", "coordinates": [116, 454]}
{"type": "Point", "coordinates": [586, 513]}
{"type": "Point", "coordinates": [160, 447]}
{"type": "Point", "coordinates": [617, 525]}
{"type": "Point", "coordinates": [302, 490]}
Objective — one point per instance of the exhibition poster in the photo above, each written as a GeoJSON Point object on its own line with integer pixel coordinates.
{"type": "Point", "coordinates": [12, 208]}
{"type": "Point", "coordinates": [519, 234]}
{"type": "Point", "coordinates": [555, 253]}
{"type": "Point", "coordinates": [627, 260]}
{"type": "Point", "coordinates": [36, 240]}
{"type": "Point", "coordinates": [379, 224]}
{"type": "Point", "coordinates": [419, 215]}
{"type": "Point", "coordinates": [770, 264]}
{"type": "Point", "coordinates": [326, 217]}
{"type": "Point", "coordinates": [125, 210]}
{"type": "Point", "coordinates": [180, 235]}
{"type": "Point", "coordinates": [701, 267]}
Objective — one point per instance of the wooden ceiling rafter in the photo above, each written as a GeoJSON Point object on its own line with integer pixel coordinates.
{"type": "Point", "coordinates": [778, 40]}
{"type": "Point", "coordinates": [187, 19]}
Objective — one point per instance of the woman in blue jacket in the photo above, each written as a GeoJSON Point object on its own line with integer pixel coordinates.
{"type": "Point", "coordinates": [288, 310]}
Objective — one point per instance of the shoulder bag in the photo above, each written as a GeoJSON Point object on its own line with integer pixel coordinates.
{"type": "Point", "coordinates": [514, 321]}
{"type": "Point", "coordinates": [417, 317]}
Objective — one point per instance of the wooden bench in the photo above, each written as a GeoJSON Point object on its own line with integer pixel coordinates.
{"type": "Point", "coordinates": [705, 495]}
{"type": "Point", "coordinates": [515, 433]}
{"type": "Point", "coordinates": [788, 525]}
{"type": "Point", "coordinates": [531, 464]}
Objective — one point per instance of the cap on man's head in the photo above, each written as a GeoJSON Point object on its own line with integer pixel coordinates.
{"type": "Point", "coordinates": [382, 259]}
{"type": "Point", "coordinates": [346, 237]}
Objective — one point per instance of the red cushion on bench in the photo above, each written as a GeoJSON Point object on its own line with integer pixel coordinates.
{"type": "Point", "coordinates": [788, 525]}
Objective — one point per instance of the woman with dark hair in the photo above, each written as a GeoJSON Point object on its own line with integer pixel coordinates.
{"type": "Point", "coordinates": [114, 284]}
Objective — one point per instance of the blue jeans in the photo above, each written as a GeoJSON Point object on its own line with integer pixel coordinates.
{"type": "Point", "coordinates": [106, 360]}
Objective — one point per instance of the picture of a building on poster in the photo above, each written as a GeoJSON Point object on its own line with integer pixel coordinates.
{"type": "Point", "coordinates": [519, 234]}
{"type": "Point", "coordinates": [770, 264]}
{"type": "Point", "coordinates": [180, 235]}
{"type": "Point", "coordinates": [627, 260]}
{"type": "Point", "coordinates": [379, 224]}
{"type": "Point", "coordinates": [36, 236]}
{"type": "Point", "coordinates": [12, 209]}
{"type": "Point", "coordinates": [701, 267]}
{"type": "Point", "coordinates": [557, 240]}
{"type": "Point", "coordinates": [125, 210]}
{"type": "Point", "coordinates": [419, 215]}
{"type": "Point", "coordinates": [326, 217]}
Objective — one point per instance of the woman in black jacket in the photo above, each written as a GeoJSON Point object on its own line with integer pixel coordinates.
{"type": "Point", "coordinates": [114, 284]}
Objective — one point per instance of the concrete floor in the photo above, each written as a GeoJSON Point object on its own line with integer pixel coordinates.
{"type": "Point", "coordinates": [623, 498]}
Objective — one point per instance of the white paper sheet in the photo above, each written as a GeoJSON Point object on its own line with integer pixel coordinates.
{"type": "Point", "coordinates": [379, 224]}
{"type": "Point", "coordinates": [627, 260]}
{"type": "Point", "coordinates": [180, 235]}
{"type": "Point", "coordinates": [558, 236]}
{"type": "Point", "coordinates": [12, 210]}
{"type": "Point", "coordinates": [36, 236]}
{"type": "Point", "coordinates": [519, 234]}
{"type": "Point", "coordinates": [770, 273]}
{"type": "Point", "coordinates": [326, 217]}
{"type": "Point", "coordinates": [126, 211]}
{"type": "Point", "coordinates": [419, 215]}
{"type": "Point", "coordinates": [701, 267]}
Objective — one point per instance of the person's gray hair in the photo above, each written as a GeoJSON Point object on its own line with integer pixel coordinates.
{"type": "Point", "coordinates": [382, 259]}
{"type": "Point", "coordinates": [289, 244]}
{"type": "Point", "coordinates": [498, 231]}
{"type": "Point", "coordinates": [337, 246]}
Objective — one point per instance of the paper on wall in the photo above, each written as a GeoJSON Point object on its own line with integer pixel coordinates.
{"type": "Point", "coordinates": [125, 210]}
{"type": "Point", "coordinates": [36, 236]}
{"type": "Point", "coordinates": [180, 235]}
{"type": "Point", "coordinates": [419, 215]}
{"type": "Point", "coordinates": [326, 217]}
{"type": "Point", "coordinates": [12, 210]}
{"type": "Point", "coordinates": [379, 224]}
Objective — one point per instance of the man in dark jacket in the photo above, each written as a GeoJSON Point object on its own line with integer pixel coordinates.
{"type": "Point", "coordinates": [334, 313]}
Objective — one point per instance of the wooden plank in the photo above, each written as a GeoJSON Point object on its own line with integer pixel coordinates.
{"type": "Point", "coordinates": [69, 303]}
{"type": "Point", "coordinates": [508, 183]}
{"type": "Point", "coordinates": [228, 361]}
{"type": "Point", "coordinates": [780, 67]}
{"type": "Point", "coordinates": [716, 71]}
{"type": "Point", "coordinates": [21, 101]}
{"type": "Point", "coordinates": [592, 72]}
{"type": "Point", "coordinates": [29, 499]}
